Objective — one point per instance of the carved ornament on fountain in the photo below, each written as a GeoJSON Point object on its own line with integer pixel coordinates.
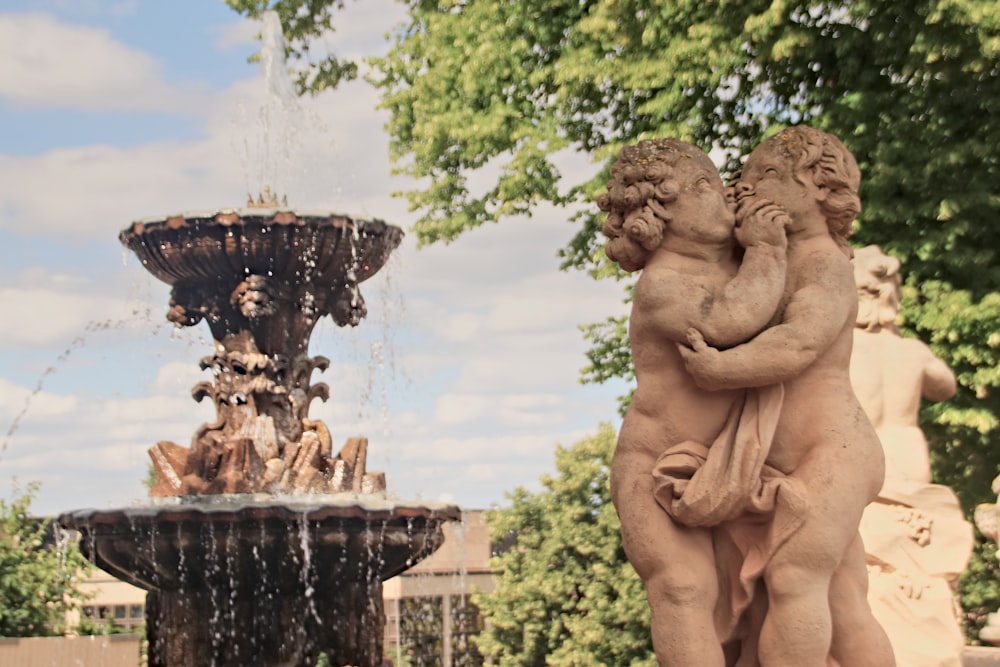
{"type": "Point", "coordinates": [262, 278]}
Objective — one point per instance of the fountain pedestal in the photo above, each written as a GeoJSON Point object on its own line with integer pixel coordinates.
{"type": "Point", "coordinates": [262, 279]}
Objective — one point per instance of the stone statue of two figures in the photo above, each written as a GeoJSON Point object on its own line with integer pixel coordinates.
{"type": "Point", "coordinates": [745, 460]}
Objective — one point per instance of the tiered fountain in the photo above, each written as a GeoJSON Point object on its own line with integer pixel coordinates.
{"type": "Point", "coordinates": [266, 547]}
{"type": "Point", "coordinates": [262, 545]}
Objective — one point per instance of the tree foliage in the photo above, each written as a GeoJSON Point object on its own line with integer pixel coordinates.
{"type": "Point", "coordinates": [39, 578]}
{"type": "Point", "coordinates": [565, 594]}
{"type": "Point", "coordinates": [489, 97]}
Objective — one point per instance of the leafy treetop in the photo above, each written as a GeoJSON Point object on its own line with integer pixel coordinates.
{"type": "Point", "coordinates": [40, 578]}
{"type": "Point", "coordinates": [565, 594]}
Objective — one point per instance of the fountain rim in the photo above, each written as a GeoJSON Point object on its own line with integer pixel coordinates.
{"type": "Point", "coordinates": [136, 543]}
{"type": "Point", "coordinates": [227, 507]}
{"type": "Point", "coordinates": [241, 216]}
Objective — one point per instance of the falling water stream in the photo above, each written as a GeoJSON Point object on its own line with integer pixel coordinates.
{"type": "Point", "coordinates": [78, 342]}
{"type": "Point", "coordinates": [271, 155]}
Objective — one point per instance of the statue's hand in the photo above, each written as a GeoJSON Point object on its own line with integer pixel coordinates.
{"type": "Point", "coordinates": [702, 361]}
{"type": "Point", "coordinates": [761, 222]}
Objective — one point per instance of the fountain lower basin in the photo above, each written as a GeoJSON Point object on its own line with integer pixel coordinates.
{"type": "Point", "coordinates": [264, 580]}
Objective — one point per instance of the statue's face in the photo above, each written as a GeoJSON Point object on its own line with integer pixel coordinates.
{"type": "Point", "coordinates": [769, 174]}
{"type": "Point", "coordinates": [877, 278]}
{"type": "Point", "coordinates": [701, 212]}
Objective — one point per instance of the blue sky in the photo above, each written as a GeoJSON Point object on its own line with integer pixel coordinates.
{"type": "Point", "coordinates": [180, 37]}
{"type": "Point", "coordinates": [464, 377]}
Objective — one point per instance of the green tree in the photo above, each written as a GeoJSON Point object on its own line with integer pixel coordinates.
{"type": "Point", "coordinates": [565, 594]}
{"type": "Point", "coordinates": [40, 578]}
{"type": "Point", "coordinates": [504, 90]}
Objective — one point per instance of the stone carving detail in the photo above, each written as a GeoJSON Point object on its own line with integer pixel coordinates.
{"type": "Point", "coordinates": [262, 281]}
{"type": "Point", "coordinates": [916, 538]}
{"type": "Point", "coordinates": [917, 524]}
{"type": "Point", "coordinates": [744, 461]}
{"type": "Point", "coordinates": [256, 297]}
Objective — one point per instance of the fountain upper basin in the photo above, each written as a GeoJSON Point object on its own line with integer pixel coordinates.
{"type": "Point", "coordinates": [302, 246]}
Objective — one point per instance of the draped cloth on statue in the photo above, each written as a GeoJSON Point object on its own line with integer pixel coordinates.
{"type": "Point", "coordinates": [753, 507]}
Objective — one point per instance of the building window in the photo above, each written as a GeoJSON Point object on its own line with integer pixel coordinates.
{"type": "Point", "coordinates": [466, 623]}
{"type": "Point", "coordinates": [118, 615]}
{"type": "Point", "coordinates": [421, 629]}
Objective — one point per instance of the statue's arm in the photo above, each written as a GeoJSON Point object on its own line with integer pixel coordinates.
{"type": "Point", "coordinates": [670, 302]}
{"type": "Point", "coordinates": [748, 302]}
{"type": "Point", "coordinates": [939, 383]}
{"type": "Point", "coordinates": [673, 302]}
{"type": "Point", "coordinates": [814, 317]}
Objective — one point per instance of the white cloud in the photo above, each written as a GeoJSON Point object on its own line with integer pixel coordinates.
{"type": "Point", "coordinates": [178, 376]}
{"type": "Point", "coordinates": [95, 7]}
{"type": "Point", "coordinates": [74, 439]}
{"type": "Point", "coordinates": [23, 323]}
{"type": "Point", "coordinates": [103, 188]}
{"type": "Point", "coordinates": [35, 317]}
{"type": "Point", "coordinates": [458, 327]}
{"type": "Point", "coordinates": [53, 65]}
{"type": "Point", "coordinates": [477, 471]}
{"type": "Point", "coordinates": [238, 34]}
{"type": "Point", "coordinates": [459, 408]}
{"type": "Point", "coordinates": [13, 399]}
{"type": "Point", "coordinates": [532, 409]}
{"type": "Point", "coordinates": [336, 159]}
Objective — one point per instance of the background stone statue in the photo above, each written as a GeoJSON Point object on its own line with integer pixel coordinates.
{"type": "Point", "coordinates": [891, 374]}
{"type": "Point", "coordinates": [988, 522]}
{"type": "Point", "coordinates": [916, 538]}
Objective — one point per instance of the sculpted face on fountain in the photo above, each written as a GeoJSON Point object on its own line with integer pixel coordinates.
{"type": "Point", "coordinates": [262, 278]}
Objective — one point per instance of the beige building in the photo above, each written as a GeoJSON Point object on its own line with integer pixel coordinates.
{"type": "Point", "coordinates": [429, 611]}
{"type": "Point", "coordinates": [109, 598]}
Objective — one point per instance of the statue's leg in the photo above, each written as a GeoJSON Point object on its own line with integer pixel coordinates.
{"type": "Point", "coordinates": [858, 639]}
{"type": "Point", "coordinates": [798, 629]}
{"type": "Point", "coordinates": [676, 564]}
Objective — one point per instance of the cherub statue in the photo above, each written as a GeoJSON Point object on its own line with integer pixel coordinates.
{"type": "Point", "coordinates": [670, 217]}
{"type": "Point", "coordinates": [805, 560]}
